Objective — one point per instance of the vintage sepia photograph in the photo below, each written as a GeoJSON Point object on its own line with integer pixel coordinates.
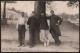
{"type": "Point", "coordinates": [40, 26]}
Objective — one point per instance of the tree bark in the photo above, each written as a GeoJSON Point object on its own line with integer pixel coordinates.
{"type": "Point", "coordinates": [38, 8]}
{"type": "Point", "coordinates": [4, 13]}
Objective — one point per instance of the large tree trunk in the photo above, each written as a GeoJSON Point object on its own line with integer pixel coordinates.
{"type": "Point", "coordinates": [38, 8]}
{"type": "Point", "coordinates": [4, 13]}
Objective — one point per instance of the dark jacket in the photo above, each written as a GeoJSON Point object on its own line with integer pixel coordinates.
{"type": "Point", "coordinates": [54, 19]}
{"type": "Point", "coordinates": [43, 23]}
{"type": "Point", "coordinates": [32, 22]}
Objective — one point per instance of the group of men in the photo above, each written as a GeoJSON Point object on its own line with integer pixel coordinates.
{"type": "Point", "coordinates": [39, 23]}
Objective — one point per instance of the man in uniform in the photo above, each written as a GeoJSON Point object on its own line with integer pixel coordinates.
{"type": "Point", "coordinates": [33, 28]}
{"type": "Point", "coordinates": [22, 27]}
{"type": "Point", "coordinates": [55, 21]}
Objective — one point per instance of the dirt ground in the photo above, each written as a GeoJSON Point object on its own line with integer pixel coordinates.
{"type": "Point", "coordinates": [69, 38]}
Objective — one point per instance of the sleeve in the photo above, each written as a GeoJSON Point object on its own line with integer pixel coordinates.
{"type": "Point", "coordinates": [60, 20]}
{"type": "Point", "coordinates": [28, 22]}
{"type": "Point", "coordinates": [39, 21]}
{"type": "Point", "coordinates": [17, 24]}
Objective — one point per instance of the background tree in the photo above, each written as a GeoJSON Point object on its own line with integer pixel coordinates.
{"type": "Point", "coordinates": [4, 11]}
{"type": "Point", "coordinates": [15, 10]}
{"type": "Point", "coordinates": [74, 3]}
{"type": "Point", "coordinates": [64, 16]}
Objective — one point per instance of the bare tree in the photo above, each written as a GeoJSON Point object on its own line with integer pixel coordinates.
{"type": "Point", "coordinates": [74, 3]}
{"type": "Point", "coordinates": [4, 11]}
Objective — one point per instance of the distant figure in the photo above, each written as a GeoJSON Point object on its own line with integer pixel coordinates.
{"type": "Point", "coordinates": [33, 28]}
{"type": "Point", "coordinates": [55, 21]}
{"type": "Point", "coordinates": [44, 29]}
{"type": "Point", "coordinates": [22, 27]}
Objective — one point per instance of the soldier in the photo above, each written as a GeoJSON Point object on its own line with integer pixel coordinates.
{"type": "Point", "coordinates": [33, 28]}
{"type": "Point", "coordinates": [44, 29]}
{"type": "Point", "coordinates": [22, 27]}
{"type": "Point", "coordinates": [55, 21]}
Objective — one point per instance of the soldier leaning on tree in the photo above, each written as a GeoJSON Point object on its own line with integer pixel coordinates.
{"type": "Point", "coordinates": [55, 21]}
{"type": "Point", "coordinates": [33, 28]}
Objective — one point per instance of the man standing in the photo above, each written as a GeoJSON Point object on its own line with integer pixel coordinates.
{"type": "Point", "coordinates": [33, 26]}
{"type": "Point", "coordinates": [22, 27]}
{"type": "Point", "coordinates": [55, 21]}
{"type": "Point", "coordinates": [44, 29]}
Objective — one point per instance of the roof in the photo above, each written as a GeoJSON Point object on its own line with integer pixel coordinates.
{"type": "Point", "coordinates": [12, 13]}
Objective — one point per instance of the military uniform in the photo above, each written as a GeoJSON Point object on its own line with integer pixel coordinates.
{"type": "Point", "coordinates": [54, 28]}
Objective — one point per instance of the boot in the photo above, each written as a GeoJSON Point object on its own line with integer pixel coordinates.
{"type": "Point", "coordinates": [58, 43]}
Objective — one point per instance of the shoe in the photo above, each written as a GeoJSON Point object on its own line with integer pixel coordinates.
{"type": "Point", "coordinates": [57, 44]}
{"type": "Point", "coordinates": [23, 45]}
{"type": "Point", "coordinates": [19, 45]}
{"type": "Point", "coordinates": [30, 46]}
{"type": "Point", "coordinates": [45, 44]}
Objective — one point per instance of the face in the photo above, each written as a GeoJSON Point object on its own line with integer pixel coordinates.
{"type": "Point", "coordinates": [33, 14]}
{"type": "Point", "coordinates": [22, 14]}
{"type": "Point", "coordinates": [42, 14]}
{"type": "Point", "coordinates": [52, 13]}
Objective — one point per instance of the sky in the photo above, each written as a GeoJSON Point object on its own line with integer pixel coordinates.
{"type": "Point", "coordinates": [28, 6]}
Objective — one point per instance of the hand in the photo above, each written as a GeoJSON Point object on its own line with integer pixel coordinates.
{"type": "Point", "coordinates": [49, 27]}
{"type": "Point", "coordinates": [25, 29]}
{"type": "Point", "coordinates": [17, 27]}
